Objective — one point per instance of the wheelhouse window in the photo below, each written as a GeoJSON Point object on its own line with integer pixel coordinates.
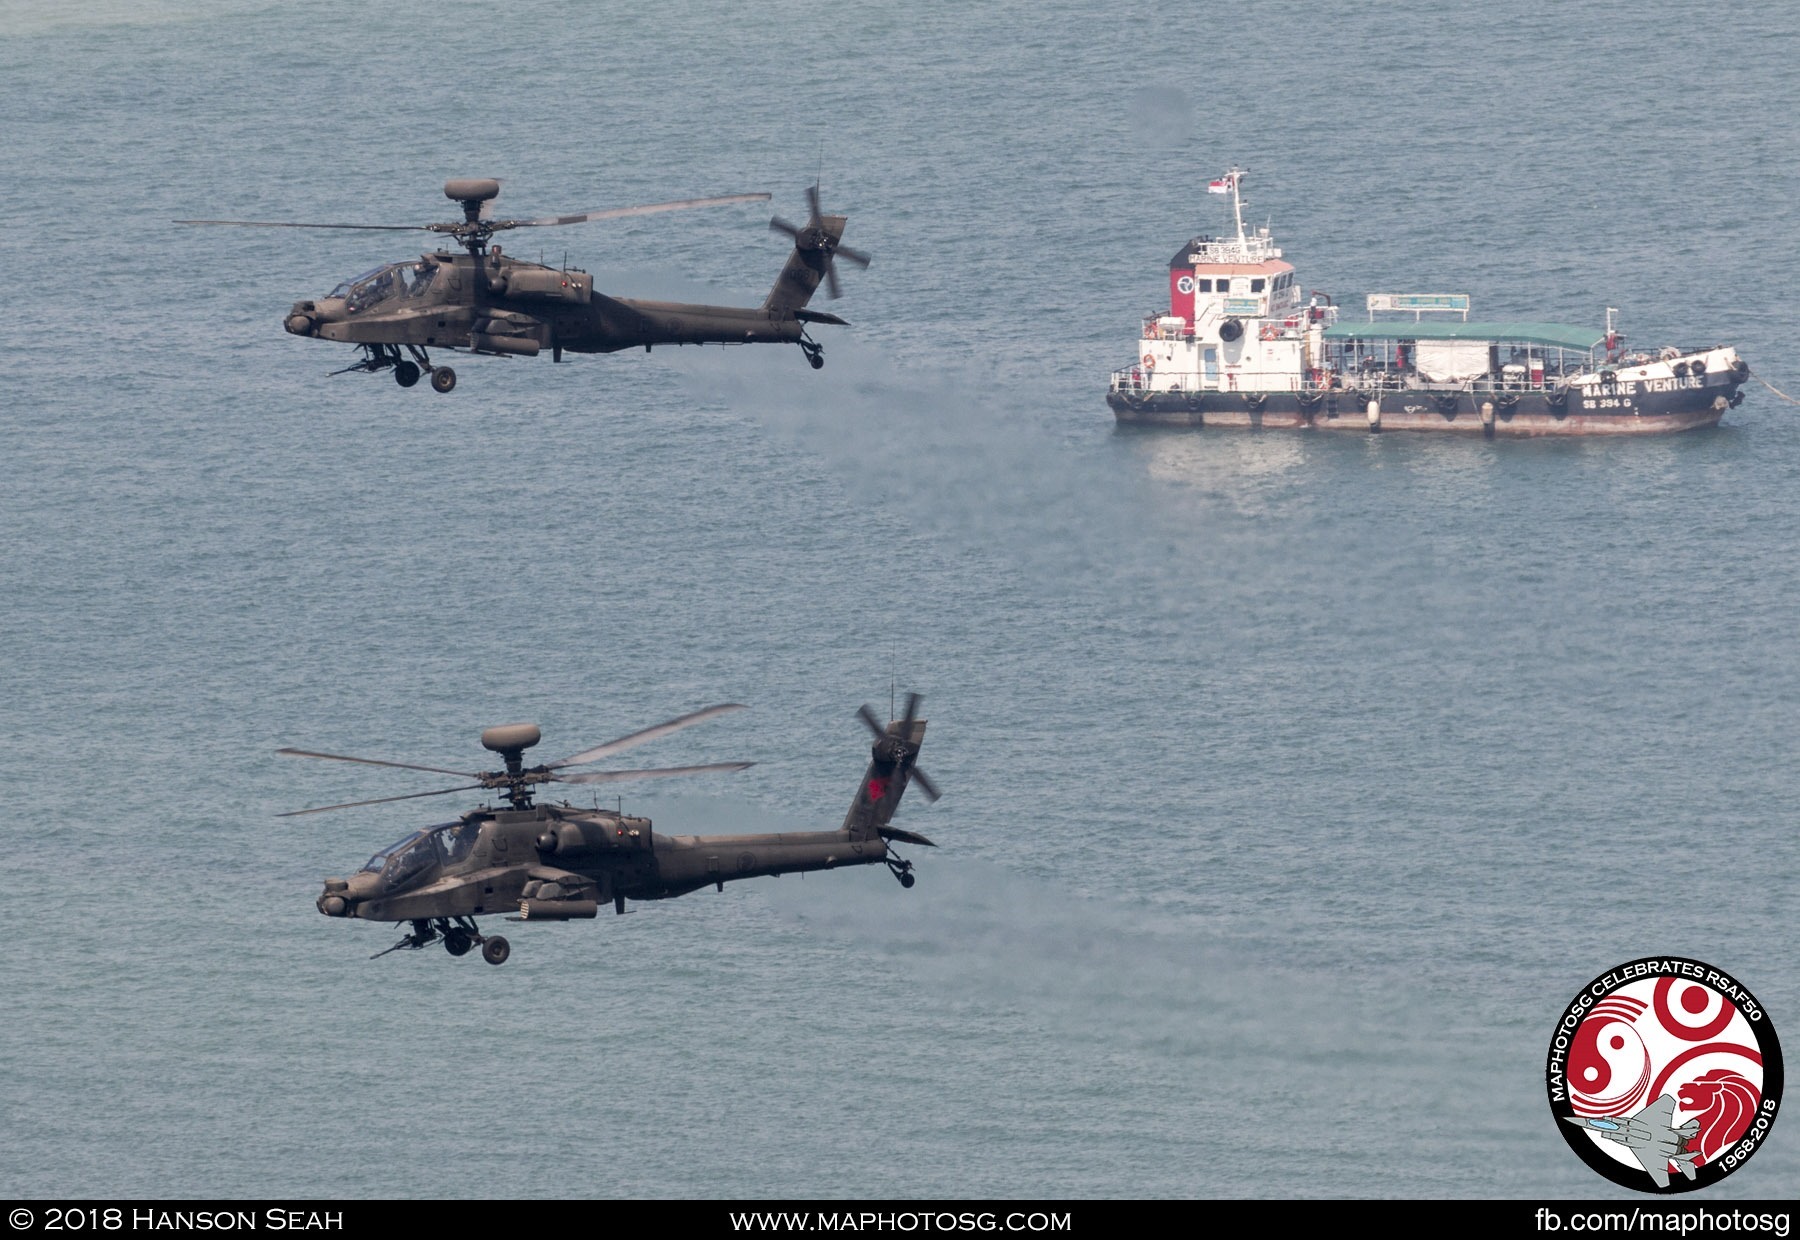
{"type": "Point", "coordinates": [1204, 286]}
{"type": "Point", "coordinates": [1256, 285]}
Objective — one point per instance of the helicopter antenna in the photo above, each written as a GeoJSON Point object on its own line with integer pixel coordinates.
{"type": "Point", "coordinates": [890, 678]}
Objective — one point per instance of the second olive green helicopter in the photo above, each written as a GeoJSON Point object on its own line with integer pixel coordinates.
{"type": "Point", "coordinates": [561, 862]}
{"type": "Point", "coordinates": [483, 301]}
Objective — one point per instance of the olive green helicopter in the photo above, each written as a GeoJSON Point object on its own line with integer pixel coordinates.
{"type": "Point", "coordinates": [484, 301]}
{"type": "Point", "coordinates": [533, 862]}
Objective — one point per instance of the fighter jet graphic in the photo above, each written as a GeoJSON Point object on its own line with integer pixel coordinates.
{"type": "Point", "coordinates": [1651, 1137]}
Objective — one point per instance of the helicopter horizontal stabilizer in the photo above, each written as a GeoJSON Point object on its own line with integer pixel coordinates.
{"type": "Point", "coordinates": [819, 316]}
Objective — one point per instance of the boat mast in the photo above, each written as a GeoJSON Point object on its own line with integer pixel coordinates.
{"type": "Point", "coordinates": [1237, 202]}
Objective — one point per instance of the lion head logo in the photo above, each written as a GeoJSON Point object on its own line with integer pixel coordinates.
{"type": "Point", "coordinates": [1726, 1103]}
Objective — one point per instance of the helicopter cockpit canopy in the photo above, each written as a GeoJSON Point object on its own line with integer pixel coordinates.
{"type": "Point", "coordinates": [382, 283]}
{"type": "Point", "coordinates": [401, 863]}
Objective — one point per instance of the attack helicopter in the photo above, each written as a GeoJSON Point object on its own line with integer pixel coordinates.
{"type": "Point", "coordinates": [487, 302]}
{"type": "Point", "coordinates": [559, 862]}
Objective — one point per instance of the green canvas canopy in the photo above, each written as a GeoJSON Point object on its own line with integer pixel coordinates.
{"type": "Point", "coordinates": [1555, 335]}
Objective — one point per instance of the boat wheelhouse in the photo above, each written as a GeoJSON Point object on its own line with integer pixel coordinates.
{"type": "Point", "coordinates": [1241, 345]}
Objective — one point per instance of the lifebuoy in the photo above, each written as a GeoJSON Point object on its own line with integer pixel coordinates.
{"type": "Point", "coordinates": [1149, 362]}
{"type": "Point", "coordinates": [1270, 332]}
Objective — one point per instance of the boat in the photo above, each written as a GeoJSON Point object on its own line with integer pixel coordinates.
{"type": "Point", "coordinates": [1241, 345]}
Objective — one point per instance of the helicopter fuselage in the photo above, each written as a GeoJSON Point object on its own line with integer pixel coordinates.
{"type": "Point", "coordinates": [495, 304]}
{"type": "Point", "coordinates": [558, 863]}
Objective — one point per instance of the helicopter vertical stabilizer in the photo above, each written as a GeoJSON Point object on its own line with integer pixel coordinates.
{"type": "Point", "coordinates": [817, 245]}
{"type": "Point", "coordinates": [890, 770]}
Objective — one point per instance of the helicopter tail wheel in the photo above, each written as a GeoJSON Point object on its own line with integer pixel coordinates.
{"type": "Point", "coordinates": [815, 353]}
{"type": "Point", "coordinates": [405, 374]}
{"type": "Point", "coordinates": [496, 950]}
{"type": "Point", "coordinates": [443, 379]}
{"type": "Point", "coordinates": [902, 870]}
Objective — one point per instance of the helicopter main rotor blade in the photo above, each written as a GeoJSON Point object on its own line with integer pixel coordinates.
{"type": "Point", "coordinates": [285, 224]}
{"type": "Point", "coordinates": [609, 777]}
{"type": "Point", "coordinates": [405, 766]}
{"type": "Point", "coordinates": [648, 734]}
{"type": "Point", "coordinates": [614, 213]}
{"type": "Point", "coordinates": [409, 796]}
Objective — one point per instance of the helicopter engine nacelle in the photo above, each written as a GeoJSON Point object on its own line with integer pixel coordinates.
{"type": "Point", "coordinates": [563, 837]}
{"type": "Point", "coordinates": [543, 284]}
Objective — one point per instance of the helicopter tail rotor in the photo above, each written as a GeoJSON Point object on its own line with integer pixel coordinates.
{"type": "Point", "coordinates": [818, 244]}
{"type": "Point", "coordinates": [892, 769]}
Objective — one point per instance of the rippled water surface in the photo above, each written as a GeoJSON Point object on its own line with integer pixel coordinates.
{"type": "Point", "coordinates": [1294, 783]}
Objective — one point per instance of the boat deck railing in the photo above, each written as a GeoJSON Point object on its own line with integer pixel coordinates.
{"type": "Point", "coordinates": [1139, 378]}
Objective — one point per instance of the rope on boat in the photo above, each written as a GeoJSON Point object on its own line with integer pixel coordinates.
{"type": "Point", "coordinates": [1789, 399]}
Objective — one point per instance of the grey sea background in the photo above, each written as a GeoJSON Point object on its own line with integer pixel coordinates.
{"type": "Point", "coordinates": [1294, 783]}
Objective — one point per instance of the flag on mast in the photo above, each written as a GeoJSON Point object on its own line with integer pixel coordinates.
{"type": "Point", "coordinates": [1224, 185]}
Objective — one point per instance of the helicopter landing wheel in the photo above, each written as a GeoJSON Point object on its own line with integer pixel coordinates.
{"type": "Point", "coordinates": [443, 379]}
{"type": "Point", "coordinates": [816, 360]}
{"type": "Point", "coordinates": [458, 941]}
{"type": "Point", "coordinates": [405, 374]}
{"type": "Point", "coordinates": [496, 949]}
{"type": "Point", "coordinates": [907, 880]}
